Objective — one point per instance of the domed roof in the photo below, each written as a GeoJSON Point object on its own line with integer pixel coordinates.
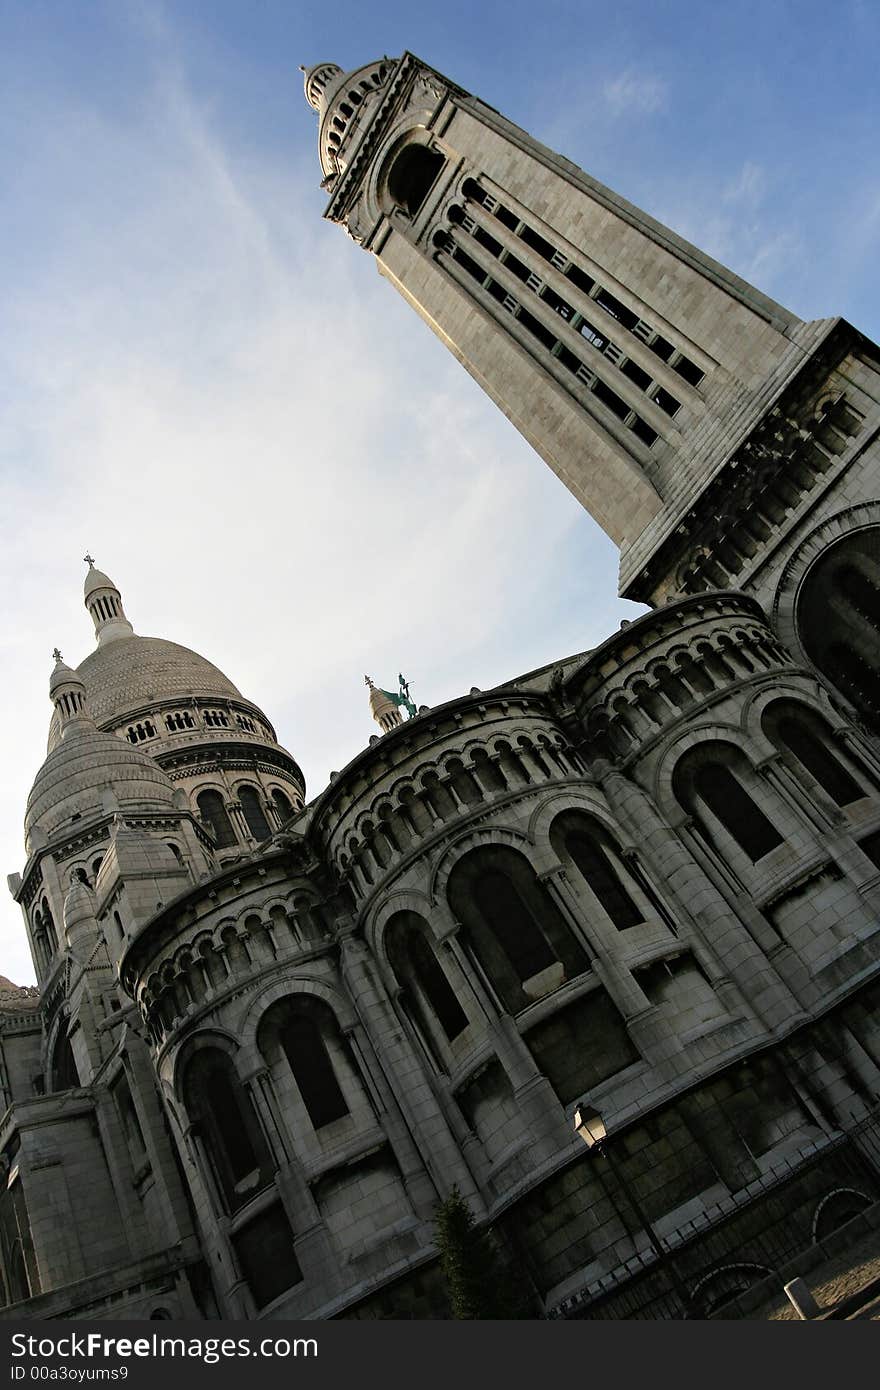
{"type": "Point", "coordinates": [82, 768]}
{"type": "Point", "coordinates": [96, 579]}
{"type": "Point", "coordinates": [134, 671]}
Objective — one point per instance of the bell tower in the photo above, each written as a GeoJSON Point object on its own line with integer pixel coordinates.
{"type": "Point", "coordinates": [713, 435]}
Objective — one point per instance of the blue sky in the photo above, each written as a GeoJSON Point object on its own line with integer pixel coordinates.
{"type": "Point", "coordinates": [210, 388]}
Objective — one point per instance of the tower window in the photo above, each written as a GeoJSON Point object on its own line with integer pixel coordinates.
{"type": "Point", "coordinates": [662, 347]}
{"type": "Point", "coordinates": [666, 401]}
{"type": "Point", "coordinates": [538, 243]}
{"type": "Point", "coordinates": [579, 278]}
{"type": "Point", "coordinates": [691, 373]}
{"type": "Point", "coordinates": [636, 374]}
{"type": "Point", "coordinates": [618, 311]}
{"type": "Point", "coordinates": [412, 176]}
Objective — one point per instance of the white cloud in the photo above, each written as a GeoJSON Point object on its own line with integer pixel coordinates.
{"type": "Point", "coordinates": [218, 397]}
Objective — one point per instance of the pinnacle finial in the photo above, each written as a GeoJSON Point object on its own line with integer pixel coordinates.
{"type": "Point", "coordinates": [57, 655]}
{"type": "Point", "coordinates": [88, 558]}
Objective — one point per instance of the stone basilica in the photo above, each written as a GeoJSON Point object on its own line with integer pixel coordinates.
{"type": "Point", "coordinates": [270, 1035]}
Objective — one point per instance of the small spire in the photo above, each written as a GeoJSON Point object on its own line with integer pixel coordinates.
{"type": "Point", "coordinates": [68, 694]}
{"type": "Point", "coordinates": [104, 602]}
{"type": "Point", "coordinates": [316, 81]}
{"type": "Point", "coordinates": [385, 705]}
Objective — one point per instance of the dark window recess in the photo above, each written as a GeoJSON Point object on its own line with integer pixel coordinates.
{"type": "Point", "coordinates": [497, 291]}
{"type": "Point", "coordinates": [456, 215]}
{"type": "Point", "coordinates": [212, 810]}
{"type": "Point", "coordinates": [507, 218]}
{"type": "Point", "coordinates": [538, 243]}
{"type": "Point", "coordinates": [636, 374]}
{"type": "Point", "coordinates": [618, 311]}
{"type": "Point", "coordinates": [568, 359]}
{"type": "Point", "coordinates": [599, 873]}
{"type": "Point", "coordinates": [224, 1117]}
{"type": "Point", "coordinates": [488, 241]}
{"type": "Point", "coordinates": [536, 329]}
{"type": "Point", "coordinates": [473, 192]}
{"type": "Point", "coordinates": [313, 1071]}
{"type": "Point", "coordinates": [831, 775]}
{"type": "Point", "coordinates": [557, 303]}
{"type": "Point", "coordinates": [412, 174]}
{"type": "Point", "coordinates": [467, 263]}
{"type": "Point", "coordinates": [661, 348]}
{"type": "Point", "coordinates": [254, 814]}
{"type": "Point", "coordinates": [264, 1248]}
{"type": "Point", "coordinates": [731, 804]}
{"type": "Point", "coordinates": [666, 401]}
{"type": "Point", "coordinates": [689, 371]}
{"type": "Point", "coordinates": [580, 278]}
{"type": "Point", "coordinates": [642, 430]}
{"type": "Point", "coordinates": [871, 847]}
{"type": "Point", "coordinates": [514, 928]}
{"type": "Point", "coordinates": [516, 267]}
{"type": "Point", "coordinates": [439, 993]}
{"type": "Point", "coordinates": [610, 399]}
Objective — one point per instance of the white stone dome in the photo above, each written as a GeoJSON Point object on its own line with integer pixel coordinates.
{"type": "Point", "coordinates": [74, 781]}
{"type": "Point", "coordinates": [134, 671]}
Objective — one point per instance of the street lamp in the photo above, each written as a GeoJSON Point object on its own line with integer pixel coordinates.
{"type": "Point", "coordinates": [588, 1123]}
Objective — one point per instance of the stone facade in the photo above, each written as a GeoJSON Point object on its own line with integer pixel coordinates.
{"type": "Point", "coordinates": [270, 1036]}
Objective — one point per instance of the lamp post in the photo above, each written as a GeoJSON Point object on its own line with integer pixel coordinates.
{"type": "Point", "coordinates": [588, 1123]}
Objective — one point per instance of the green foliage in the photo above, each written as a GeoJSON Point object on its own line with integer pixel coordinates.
{"type": "Point", "coordinates": [478, 1284]}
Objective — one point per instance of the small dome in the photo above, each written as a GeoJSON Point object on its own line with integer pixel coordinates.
{"type": "Point", "coordinates": [341, 99]}
{"type": "Point", "coordinates": [63, 675]}
{"type": "Point", "coordinates": [96, 579]}
{"type": "Point", "coordinates": [73, 783]}
{"type": "Point", "coordinates": [317, 79]}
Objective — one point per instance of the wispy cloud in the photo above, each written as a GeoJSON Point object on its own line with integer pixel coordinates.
{"type": "Point", "coordinates": [635, 93]}
{"type": "Point", "coordinates": [747, 187]}
{"type": "Point", "coordinates": [216, 394]}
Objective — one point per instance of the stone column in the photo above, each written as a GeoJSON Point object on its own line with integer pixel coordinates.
{"type": "Point", "coordinates": [428, 1156]}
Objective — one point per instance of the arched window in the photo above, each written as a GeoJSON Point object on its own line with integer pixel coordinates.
{"type": "Point", "coordinates": [253, 813]}
{"type": "Point", "coordinates": [302, 1027]}
{"type": "Point", "coordinates": [705, 781]}
{"type": "Point", "coordinates": [412, 174]}
{"type": "Point", "coordinates": [579, 839]}
{"type": "Point", "coordinates": [222, 1115]}
{"type": "Point", "coordinates": [805, 735]}
{"type": "Point", "coordinates": [741, 817]}
{"type": "Point", "coordinates": [212, 810]}
{"type": "Point", "coordinates": [49, 925]}
{"type": "Point", "coordinates": [421, 975]}
{"type": "Point", "coordinates": [282, 805]}
{"type": "Point", "coordinates": [64, 1075]}
{"type": "Point", "coordinates": [514, 926]}
{"type": "Point", "coordinates": [838, 617]}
